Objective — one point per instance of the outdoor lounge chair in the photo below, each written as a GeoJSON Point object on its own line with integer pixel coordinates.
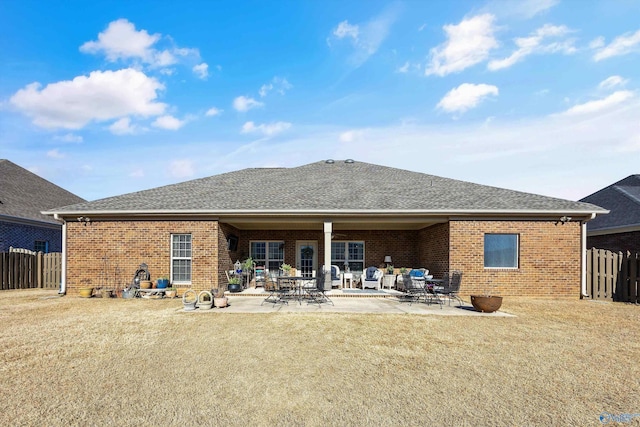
{"type": "Point", "coordinates": [372, 278]}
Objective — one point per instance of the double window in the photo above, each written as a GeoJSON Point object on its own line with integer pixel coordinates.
{"type": "Point", "coordinates": [501, 250]}
{"type": "Point", "coordinates": [181, 258]}
{"type": "Point", "coordinates": [269, 254]}
{"type": "Point", "coordinates": [348, 254]}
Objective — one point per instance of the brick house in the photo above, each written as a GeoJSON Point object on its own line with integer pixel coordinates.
{"type": "Point", "coordinates": [23, 195]}
{"type": "Point", "coordinates": [620, 229]}
{"type": "Point", "coordinates": [513, 242]}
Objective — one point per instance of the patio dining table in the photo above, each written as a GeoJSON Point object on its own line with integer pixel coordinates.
{"type": "Point", "coordinates": [296, 286]}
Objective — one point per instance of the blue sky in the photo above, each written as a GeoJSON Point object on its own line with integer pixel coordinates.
{"type": "Point", "coordinates": [108, 97]}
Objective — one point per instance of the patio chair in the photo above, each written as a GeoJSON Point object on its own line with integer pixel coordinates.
{"type": "Point", "coordinates": [319, 294]}
{"type": "Point", "coordinates": [277, 294]}
{"type": "Point", "coordinates": [450, 287]}
{"type": "Point", "coordinates": [372, 278]}
{"type": "Point", "coordinates": [413, 289]}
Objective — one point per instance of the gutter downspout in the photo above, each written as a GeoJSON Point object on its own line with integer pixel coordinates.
{"type": "Point", "coordinates": [583, 272]}
{"type": "Point", "coordinates": [63, 275]}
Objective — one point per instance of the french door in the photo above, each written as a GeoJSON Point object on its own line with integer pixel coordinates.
{"type": "Point", "coordinates": [306, 257]}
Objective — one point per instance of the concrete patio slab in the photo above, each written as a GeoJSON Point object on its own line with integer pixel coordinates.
{"type": "Point", "coordinates": [364, 305]}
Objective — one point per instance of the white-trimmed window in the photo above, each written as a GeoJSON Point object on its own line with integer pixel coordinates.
{"type": "Point", "coordinates": [351, 253]}
{"type": "Point", "coordinates": [181, 258]}
{"type": "Point", "coordinates": [267, 253]}
{"type": "Point", "coordinates": [501, 250]}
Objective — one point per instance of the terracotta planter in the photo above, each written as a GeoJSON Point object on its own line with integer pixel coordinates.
{"type": "Point", "coordinates": [145, 284]}
{"type": "Point", "coordinates": [85, 292]}
{"type": "Point", "coordinates": [486, 304]}
{"type": "Point", "coordinates": [170, 294]}
{"type": "Point", "coordinates": [220, 302]}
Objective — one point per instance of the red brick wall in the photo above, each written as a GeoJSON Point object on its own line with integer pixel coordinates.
{"type": "Point", "coordinates": [549, 258]}
{"type": "Point", "coordinates": [549, 252]}
{"type": "Point", "coordinates": [619, 242]}
{"type": "Point", "coordinates": [434, 249]}
{"type": "Point", "coordinates": [127, 244]}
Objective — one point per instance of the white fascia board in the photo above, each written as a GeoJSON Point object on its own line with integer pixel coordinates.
{"type": "Point", "coordinates": [614, 230]}
{"type": "Point", "coordinates": [330, 212]}
{"type": "Point", "coordinates": [31, 222]}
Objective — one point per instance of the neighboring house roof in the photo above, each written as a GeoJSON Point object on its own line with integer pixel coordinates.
{"type": "Point", "coordinates": [23, 195]}
{"type": "Point", "coordinates": [623, 200]}
{"type": "Point", "coordinates": [340, 187]}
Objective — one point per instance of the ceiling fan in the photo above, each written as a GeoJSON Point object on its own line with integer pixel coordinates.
{"type": "Point", "coordinates": [334, 235]}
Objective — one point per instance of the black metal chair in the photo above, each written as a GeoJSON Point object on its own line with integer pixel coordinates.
{"type": "Point", "coordinates": [318, 293]}
{"type": "Point", "coordinates": [413, 289]}
{"type": "Point", "coordinates": [451, 287]}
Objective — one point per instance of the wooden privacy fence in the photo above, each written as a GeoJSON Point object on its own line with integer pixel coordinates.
{"type": "Point", "coordinates": [613, 275]}
{"type": "Point", "coordinates": [24, 270]}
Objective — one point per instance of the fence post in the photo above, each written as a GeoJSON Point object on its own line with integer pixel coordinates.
{"type": "Point", "coordinates": [39, 268]}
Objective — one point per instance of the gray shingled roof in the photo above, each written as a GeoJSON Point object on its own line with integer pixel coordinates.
{"type": "Point", "coordinates": [340, 187]}
{"type": "Point", "coordinates": [24, 195]}
{"type": "Point", "coordinates": [622, 199]}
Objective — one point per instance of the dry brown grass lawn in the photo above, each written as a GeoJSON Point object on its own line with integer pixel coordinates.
{"type": "Point", "coordinates": [72, 361]}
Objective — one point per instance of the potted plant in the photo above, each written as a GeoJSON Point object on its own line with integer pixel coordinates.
{"type": "Point", "coordinates": [286, 269]}
{"type": "Point", "coordinates": [162, 282]}
{"type": "Point", "coordinates": [170, 292]}
{"type": "Point", "coordinates": [234, 284]}
{"type": "Point", "coordinates": [486, 302]}
{"type": "Point", "coordinates": [85, 291]}
{"type": "Point", "coordinates": [219, 299]}
{"type": "Point", "coordinates": [389, 269]}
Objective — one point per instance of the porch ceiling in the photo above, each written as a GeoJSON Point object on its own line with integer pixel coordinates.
{"type": "Point", "coordinates": [338, 223]}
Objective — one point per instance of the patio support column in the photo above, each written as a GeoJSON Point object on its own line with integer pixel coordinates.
{"type": "Point", "coordinates": [328, 229]}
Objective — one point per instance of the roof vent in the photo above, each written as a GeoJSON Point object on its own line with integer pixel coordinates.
{"type": "Point", "coordinates": [329, 162]}
{"type": "Point", "coordinates": [349, 161]}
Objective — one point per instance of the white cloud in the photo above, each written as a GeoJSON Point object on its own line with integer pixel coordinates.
{"type": "Point", "coordinates": [123, 127]}
{"type": "Point", "coordinates": [280, 85]}
{"type": "Point", "coordinates": [55, 154]}
{"type": "Point", "coordinates": [404, 68]}
{"type": "Point", "coordinates": [213, 111]}
{"type": "Point", "coordinates": [468, 43]}
{"type": "Point", "coordinates": [181, 169]}
{"type": "Point", "coordinates": [121, 41]}
{"type": "Point", "coordinates": [367, 37]}
{"type": "Point", "coordinates": [521, 9]}
{"type": "Point", "coordinates": [168, 122]}
{"type": "Point", "coordinates": [465, 97]}
{"type": "Point", "coordinates": [599, 105]}
{"type": "Point", "coordinates": [344, 29]}
{"type": "Point", "coordinates": [244, 103]}
{"type": "Point", "coordinates": [534, 44]}
{"type": "Point", "coordinates": [70, 137]}
{"type": "Point", "coordinates": [137, 173]}
{"type": "Point", "coordinates": [201, 70]}
{"type": "Point", "coordinates": [597, 42]}
{"type": "Point", "coordinates": [103, 95]}
{"type": "Point", "coordinates": [611, 82]}
{"type": "Point", "coordinates": [621, 45]}
{"type": "Point", "coordinates": [351, 135]}
{"type": "Point", "coordinates": [265, 129]}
